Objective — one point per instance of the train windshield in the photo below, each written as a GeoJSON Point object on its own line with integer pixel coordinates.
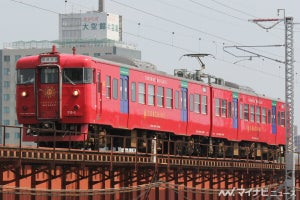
{"type": "Point", "coordinates": [25, 76]}
{"type": "Point", "coordinates": [49, 75]}
{"type": "Point", "coordinates": [77, 75]}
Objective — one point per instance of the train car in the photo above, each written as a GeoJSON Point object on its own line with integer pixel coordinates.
{"type": "Point", "coordinates": [76, 101]}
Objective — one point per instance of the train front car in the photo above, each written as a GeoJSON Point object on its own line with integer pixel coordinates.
{"type": "Point", "coordinates": [54, 92]}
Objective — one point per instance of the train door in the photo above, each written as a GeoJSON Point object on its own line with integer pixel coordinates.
{"type": "Point", "coordinates": [48, 92]}
{"type": "Point", "coordinates": [274, 128]}
{"type": "Point", "coordinates": [184, 104]}
{"type": "Point", "coordinates": [235, 112]}
{"type": "Point", "coordinates": [124, 94]}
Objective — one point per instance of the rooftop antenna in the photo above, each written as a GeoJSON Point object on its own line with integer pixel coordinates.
{"type": "Point", "coordinates": [101, 6]}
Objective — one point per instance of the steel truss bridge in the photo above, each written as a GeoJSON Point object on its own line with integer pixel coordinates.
{"type": "Point", "coordinates": [38, 173]}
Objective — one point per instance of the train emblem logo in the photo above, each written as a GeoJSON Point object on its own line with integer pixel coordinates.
{"type": "Point", "coordinates": [49, 92]}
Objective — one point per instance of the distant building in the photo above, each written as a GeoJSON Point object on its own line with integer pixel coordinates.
{"type": "Point", "coordinates": [93, 33]}
{"type": "Point", "coordinates": [89, 26]}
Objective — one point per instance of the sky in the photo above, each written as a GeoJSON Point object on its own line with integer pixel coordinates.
{"type": "Point", "coordinates": [164, 30]}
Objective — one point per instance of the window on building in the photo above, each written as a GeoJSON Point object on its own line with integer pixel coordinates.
{"type": "Point", "coordinates": [97, 54]}
{"type": "Point", "coordinates": [204, 104]}
{"type": "Point", "coordinates": [17, 57]}
{"type": "Point", "coordinates": [142, 93]}
{"type": "Point", "coordinates": [257, 114]}
{"type": "Point", "coordinates": [197, 103]}
{"type": "Point", "coordinates": [7, 135]}
{"type": "Point", "coordinates": [6, 122]}
{"type": "Point", "coordinates": [6, 71]}
{"type": "Point", "coordinates": [160, 96]}
{"type": "Point", "coordinates": [6, 58]}
{"type": "Point", "coordinates": [6, 109]}
{"type": "Point", "coordinates": [71, 34]}
{"type": "Point", "coordinates": [108, 87]}
{"type": "Point", "coordinates": [6, 97]}
{"type": "Point", "coordinates": [6, 84]}
{"type": "Point", "coordinates": [150, 95]}
{"type": "Point", "coordinates": [133, 92]}
{"type": "Point", "coordinates": [169, 98]}
{"type": "Point", "coordinates": [17, 135]}
{"type": "Point", "coordinates": [115, 88]}
{"type": "Point", "coordinates": [71, 22]}
{"type": "Point", "coordinates": [191, 102]}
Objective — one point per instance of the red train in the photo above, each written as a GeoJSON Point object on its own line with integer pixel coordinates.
{"type": "Point", "coordinates": [75, 100]}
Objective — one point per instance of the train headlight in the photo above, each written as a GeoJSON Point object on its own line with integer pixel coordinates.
{"type": "Point", "coordinates": [75, 93]}
{"type": "Point", "coordinates": [24, 94]}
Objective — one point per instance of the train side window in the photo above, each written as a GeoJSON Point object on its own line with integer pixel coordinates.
{"type": "Point", "coordinates": [229, 109]}
{"type": "Point", "coordinates": [169, 98]}
{"type": "Point", "coordinates": [217, 107]}
{"type": "Point", "coordinates": [257, 114]}
{"type": "Point", "coordinates": [191, 102]}
{"type": "Point", "coordinates": [151, 95]}
{"type": "Point", "coordinates": [160, 96]}
{"type": "Point", "coordinates": [108, 87]}
{"type": "Point", "coordinates": [88, 75]}
{"type": "Point", "coordinates": [223, 108]}
{"type": "Point", "coordinates": [282, 119]}
{"type": "Point", "coordinates": [115, 88]}
{"type": "Point", "coordinates": [197, 103]}
{"type": "Point", "coordinates": [241, 111]}
{"type": "Point", "coordinates": [142, 93]}
{"type": "Point", "coordinates": [177, 99]}
{"type": "Point", "coordinates": [252, 114]}
{"type": "Point", "coordinates": [204, 104]}
{"type": "Point", "coordinates": [263, 115]}
{"type": "Point", "coordinates": [246, 112]}
{"type": "Point", "coordinates": [269, 116]}
{"type": "Point", "coordinates": [133, 91]}
{"type": "Point", "coordinates": [98, 82]}
{"type": "Point", "coordinates": [78, 75]}
{"type": "Point", "coordinates": [278, 118]}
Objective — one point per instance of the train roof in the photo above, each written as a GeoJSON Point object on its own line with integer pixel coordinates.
{"type": "Point", "coordinates": [191, 77]}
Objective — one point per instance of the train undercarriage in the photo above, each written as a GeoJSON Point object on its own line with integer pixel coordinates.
{"type": "Point", "coordinates": [106, 138]}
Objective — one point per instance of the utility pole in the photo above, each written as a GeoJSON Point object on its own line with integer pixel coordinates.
{"type": "Point", "coordinates": [289, 182]}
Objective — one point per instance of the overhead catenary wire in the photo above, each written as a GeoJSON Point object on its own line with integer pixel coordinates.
{"type": "Point", "coordinates": [165, 43]}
